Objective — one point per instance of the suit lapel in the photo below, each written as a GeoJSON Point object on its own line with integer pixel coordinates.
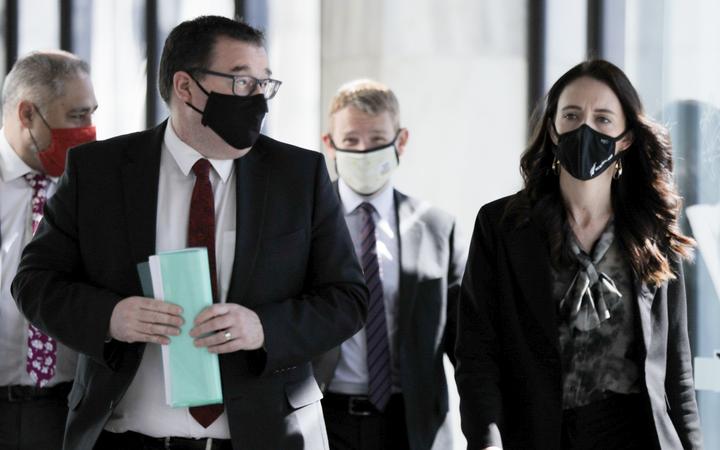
{"type": "Point", "coordinates": [531, 262]}
{"type": "Point", "coordinates": [410, 234]}
{"type": "Point", "coordinates": [140, 188]}
{"type": "Point", "coordinates": [252, 183]}
{"type": "Point", "coordinates": [645, 295]}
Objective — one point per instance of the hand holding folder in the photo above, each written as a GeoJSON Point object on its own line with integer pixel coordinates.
{"type": "Point", "coordinates": [192, 374]}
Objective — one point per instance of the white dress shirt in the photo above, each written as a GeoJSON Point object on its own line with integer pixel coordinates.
{"type": "Point", "coordinates": [16, 231]}
{"type": "Point", "coordinates": [351, 374]}
{"type": "Point", "coordinates": [143, 408]}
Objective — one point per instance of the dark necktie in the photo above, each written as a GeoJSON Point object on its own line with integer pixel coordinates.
{"type": "Point", "coordinates": [378, 348]}
{"type": "Point", "coordinates": [42, 349]}
{"type": "Point", "coordinates": [201, 233]}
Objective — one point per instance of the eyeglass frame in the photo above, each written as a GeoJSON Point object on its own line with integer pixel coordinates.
{"type": "Point", "coordinates": [257, 81]}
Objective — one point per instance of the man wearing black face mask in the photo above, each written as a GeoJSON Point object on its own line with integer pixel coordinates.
{"type": "Point", "coordinates": [285, 280]}
{"type": "Point", "coordinates": [48, 102]}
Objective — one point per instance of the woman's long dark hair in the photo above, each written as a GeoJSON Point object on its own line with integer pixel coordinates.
{"type": "Point", "coordinates": [645, 201]}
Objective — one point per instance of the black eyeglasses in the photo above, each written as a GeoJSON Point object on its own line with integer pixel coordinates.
{"type": "Point", "coordinates": [244, 85]}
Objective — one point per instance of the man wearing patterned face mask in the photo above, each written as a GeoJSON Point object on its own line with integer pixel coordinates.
{"type": "Point", "coordinates": [385, 386]}
{"type": "Point", "coordinates": [48, 102]}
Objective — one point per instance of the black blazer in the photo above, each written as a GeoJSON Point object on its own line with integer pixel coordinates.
{"type": "Point", "coordinates": [508, 362]}
{"type": "Point", "coordinates": [432, 260]}
{"type": "Point", "coordinates": [294, 266]}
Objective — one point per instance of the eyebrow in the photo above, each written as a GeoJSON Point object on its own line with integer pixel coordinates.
{"type": "Point", "coordinates": [246, 68]}
{"type": "Point", "coordinates": [597, 110]}
{"type": "Point", "coordinates": [83, 110]}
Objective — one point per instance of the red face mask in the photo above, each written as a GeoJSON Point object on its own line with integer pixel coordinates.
{"type": "Point", "coordinates": [62, 139]}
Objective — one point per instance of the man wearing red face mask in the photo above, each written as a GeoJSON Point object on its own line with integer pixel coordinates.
{"type": "Point", "coordinates": [47, 107]}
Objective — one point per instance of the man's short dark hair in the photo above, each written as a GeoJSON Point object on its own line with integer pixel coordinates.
{"type": "Point", "coordinates": [190, 45]}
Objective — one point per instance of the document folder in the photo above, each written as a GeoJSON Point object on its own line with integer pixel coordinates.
{"type": "Point", "coordinates": [182, 277]}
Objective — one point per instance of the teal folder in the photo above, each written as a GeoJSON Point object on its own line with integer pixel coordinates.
{"type": "Point", "coordinates": [182, 277]}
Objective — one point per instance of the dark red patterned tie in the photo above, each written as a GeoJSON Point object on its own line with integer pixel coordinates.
{"type": "Point", "coordinates": [42, 349]}
{"type": "Point", "coordinates": [201, 233]}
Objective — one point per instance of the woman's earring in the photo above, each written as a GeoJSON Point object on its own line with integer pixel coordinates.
{"type": "Point", "coordinates": [556, 166]}
{"type": "Point", "coordinates": [618, 169]}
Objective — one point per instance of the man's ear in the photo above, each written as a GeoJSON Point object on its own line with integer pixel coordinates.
{"type": "Point", "coordinates": [26, 113]}
{"type": "Point", "coordinates": [327, 143]}
{"type": "Point", "coordinates": [402, 140]}
{"type": "Point", "coordinates": [181, 86]}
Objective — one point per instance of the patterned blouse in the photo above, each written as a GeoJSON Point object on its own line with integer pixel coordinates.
{"type": "Point", "coordinates": [599, 355]}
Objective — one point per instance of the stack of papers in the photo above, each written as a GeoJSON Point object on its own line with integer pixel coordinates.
{"type": "Point", "coordinates": [182, 277]}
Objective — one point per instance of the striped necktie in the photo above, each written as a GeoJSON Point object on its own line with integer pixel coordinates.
{"type": "Point", "coordinates": [378, 348]}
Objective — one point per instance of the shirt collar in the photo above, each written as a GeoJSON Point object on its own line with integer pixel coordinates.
{"type": "Point", "coordinates": [11, 166]}
{"type": "Point", "coordinates": [383, 201]}
{"type": "Point", "coordinates": [186, 156]}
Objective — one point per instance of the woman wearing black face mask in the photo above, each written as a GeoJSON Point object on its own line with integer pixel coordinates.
{"type": "Point", "coordinates": [572, 329]}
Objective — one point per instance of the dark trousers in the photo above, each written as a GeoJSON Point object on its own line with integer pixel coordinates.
{"type": "Point", "coordinates": [620, 422]}
{"type": "Point", "coordinates": [33, 423]}
{"type": "Point", "coordinates": [356, 426]}
{"type": "Point", "coordinates": [130, 440]}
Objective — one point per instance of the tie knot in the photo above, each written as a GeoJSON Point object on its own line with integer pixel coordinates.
{"type": "Point", "coordinates": [367, 208]}
{"type": "Point", "coordinates": [37, 181]}
{"type": "Point", "coordinates": [201, 168]}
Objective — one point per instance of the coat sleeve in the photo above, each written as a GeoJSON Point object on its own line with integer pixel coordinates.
{"type": "Point", "coordinates": [477, 371]}
{"type": "Point", "coordinates": [333, 305]}
{"type": "Point", "coordinates": [48, 287]}
{"type": "Point", "coordinates": [456, 267]}
{"type": "Point", "coordinates": [679, 380]}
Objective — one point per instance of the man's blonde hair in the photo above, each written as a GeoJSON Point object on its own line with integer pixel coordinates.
{"type": "Point", "coordinates": [369, 96]}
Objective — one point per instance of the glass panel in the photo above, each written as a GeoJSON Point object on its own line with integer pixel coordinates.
{"type": "Point", "coordinates": [117, 59]}
{"type": "Point", "coordinates": [39, 25]}
{"type": "Point", "coordinates": [566, 37]}
{"type": "Point", "coordinates": [468, 142]}
{"type": "Point", "coordinates": [171, 13]}
{"type": "Point", "coordinates": [3, 43]}
{"type": "Point", "coordinates": [293, 39]}
{"type": "Point", "coordinates": [673, 56]}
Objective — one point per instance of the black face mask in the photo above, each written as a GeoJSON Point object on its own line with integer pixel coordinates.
{"type": "Point", "coordinates": [235, 119]}
{"type": "Point", "coordinates": [586, 153]}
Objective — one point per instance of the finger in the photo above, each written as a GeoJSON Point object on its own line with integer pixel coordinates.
{"type": "Point", "coordinates": [157, 329]}
{"type": "Point", "coordinates": [160, 318]}
{"type": "Point", "coordinates": [160, 306]}
{"type": "Point", "coordinates": [218, 309]}
{"type": "Point", "coordinates": [213, 325]}
{"type": "Point", "coordinates": [152, 339]}
{"type": "Point", "coordinates": [132, 336]}
{"type": "Point", "coordinates": [218, 338]}
{"type": "Point", "coordinates": [227, 347]}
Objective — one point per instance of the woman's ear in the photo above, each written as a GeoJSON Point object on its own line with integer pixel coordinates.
{"type": "Point", "coordinates": [551, 131]}
{"type": "Point", "coordinates": [626, 141]}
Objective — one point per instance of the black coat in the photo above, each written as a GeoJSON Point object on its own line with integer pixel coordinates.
{"type": "Point", "coordinates": [509, 373]}
{"type": "Point", "coordinates": [294, 266]}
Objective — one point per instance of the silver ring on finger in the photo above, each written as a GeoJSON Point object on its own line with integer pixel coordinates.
{"type": "Point", "coordinates": [228, 335]}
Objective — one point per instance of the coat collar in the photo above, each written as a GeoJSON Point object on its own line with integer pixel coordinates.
{"type": "Point", "coordinates": [140, 177]}
{"type": "Point", "coordinates": [532, 269]}
{"type": "Point", "coordinates": [140, 184]}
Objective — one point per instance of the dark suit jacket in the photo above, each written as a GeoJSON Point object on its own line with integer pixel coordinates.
{"type": "Point", "coordinates": [294, 266]}
{"type": "Point", "coordinates": [431, 266]}
{"type": "Point", "coordinates": [508, 362]}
